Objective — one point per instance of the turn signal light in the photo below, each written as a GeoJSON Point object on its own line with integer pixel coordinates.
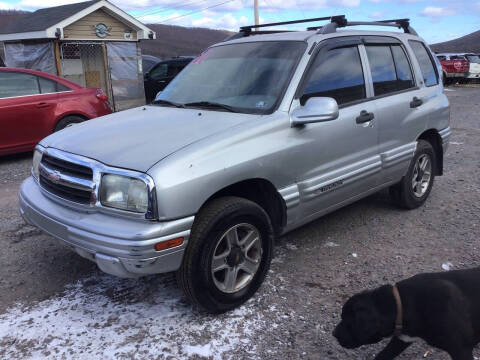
{"type": "Point", "coordinates": [168, 244]}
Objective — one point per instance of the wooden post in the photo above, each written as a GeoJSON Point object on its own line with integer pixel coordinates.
{"type": "Point", "coordinates": [107, 75]}
{"type": "Point", "coordinates": [57, 57]}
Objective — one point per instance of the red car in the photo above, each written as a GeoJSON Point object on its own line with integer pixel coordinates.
{"type": "Point", "coordinates": [34, 104]}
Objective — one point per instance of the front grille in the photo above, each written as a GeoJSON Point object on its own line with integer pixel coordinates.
{"type": "Point", "coordinates": [67, 168]}
{"type": "Point", "coordinates": [74, 189]}
{"type": "Point", "coordinates": [65, 192]}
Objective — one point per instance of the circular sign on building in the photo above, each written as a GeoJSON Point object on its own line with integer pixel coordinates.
{"type": "Point", "coordinates": [101, 30]}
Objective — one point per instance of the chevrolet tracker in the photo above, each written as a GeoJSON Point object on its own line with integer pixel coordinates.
{"type": "Point", "coordinates": [257, 136]}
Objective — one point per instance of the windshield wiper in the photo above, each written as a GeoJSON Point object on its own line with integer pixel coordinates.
{"type": "Point", "coordinates": [167, 102]}
{"type": "Point", "coordinates": [213, 105]}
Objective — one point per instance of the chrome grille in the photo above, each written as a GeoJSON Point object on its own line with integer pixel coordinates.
{"type": "Point", "coordinates": [67, 167]}
{"type": "Point", "coordinates": [66, 179]}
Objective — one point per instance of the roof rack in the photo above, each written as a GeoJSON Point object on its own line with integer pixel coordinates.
{"type": "Point", "coordinates": [336, 21]}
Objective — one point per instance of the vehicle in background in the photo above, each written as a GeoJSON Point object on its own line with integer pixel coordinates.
{"type": "Point", "coordinates": [149, 61]}
{"type": "Point", "coordinates": [161, 74]}
{"type": "Point", "coordinates": [34, 104]}
{"type": "Point", "coordinates": [474, 70]}
{"type": "Point", "coordinates": [455, 67]}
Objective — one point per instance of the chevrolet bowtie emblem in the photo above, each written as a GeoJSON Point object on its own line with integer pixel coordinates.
{"type": "Point", "coordinates": [54, 176]}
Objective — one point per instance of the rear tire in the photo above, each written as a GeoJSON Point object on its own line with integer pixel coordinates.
{"type": "Point", "coordinates": [212, 255]}
{"type": "Point", "coordinates": [413, 190]}
{"type": "Point", "coordinates": [68, 121]}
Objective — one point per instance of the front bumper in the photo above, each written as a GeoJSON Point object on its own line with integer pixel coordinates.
{"type": "Point", "coordinates": [120, 246]}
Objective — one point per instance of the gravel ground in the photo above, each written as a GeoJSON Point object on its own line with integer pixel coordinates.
{"type": "Point", "coordinates": [54, 304]}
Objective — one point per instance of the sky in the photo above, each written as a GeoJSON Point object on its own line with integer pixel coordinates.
{"type": "Point", "coordinates": [434, 20]}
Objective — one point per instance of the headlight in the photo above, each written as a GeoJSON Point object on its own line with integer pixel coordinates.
{"type": "Point", "coordinates": [37, 157]}
{"type": "Point", "coordinates": [125, 193]}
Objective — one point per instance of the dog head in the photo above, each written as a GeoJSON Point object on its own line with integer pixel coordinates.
{"type": "Point", "coordinates": [363, 320]}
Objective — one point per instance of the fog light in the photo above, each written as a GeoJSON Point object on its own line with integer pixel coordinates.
{"type": "Point", "coordinates": [168, 244]}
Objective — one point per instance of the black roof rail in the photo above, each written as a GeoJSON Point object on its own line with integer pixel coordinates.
{"type": "Point", "coordinates": [336, 21]}
{"type": "Point", "coordinates": [248, 29]}
{"type": "Point", "coordinates": [398, 23]}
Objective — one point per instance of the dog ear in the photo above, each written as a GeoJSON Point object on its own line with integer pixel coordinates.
{"type": "Point", "coordinates": [368, 323]}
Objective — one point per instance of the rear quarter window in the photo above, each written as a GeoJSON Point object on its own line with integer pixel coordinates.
{"type": "Point", "coordinates": [427, 65]}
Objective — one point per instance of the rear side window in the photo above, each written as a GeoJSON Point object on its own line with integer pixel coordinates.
{"type": "Point", "coordinates": [402, 66]}
{"type": "Point", "coordinates": [13, 84]}
{"type": "Point", "coordinates": [389, 68]}
{"type": "Point", "coordinates": [48, 86]}
{"type": "Point", "coordinates": [337, 74]}
{"type": "Point", "coordinates": [429, 72]}
{"type": "Point", "coordinates": [382, 68]}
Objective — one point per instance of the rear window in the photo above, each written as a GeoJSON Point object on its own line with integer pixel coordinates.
{"type": "Point", "coordinates": [48, 86]}
{"type": "Point", "coordinates": [14, 84]}
{"type": "Point", "coordinates": [427, 67]}
{"type": "Point", "coordinates": [474, 59]}
{"type": "Point", "coordinates": [441, 58]}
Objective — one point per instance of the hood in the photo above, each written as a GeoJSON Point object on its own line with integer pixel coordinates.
{"type": "Point", "coordinates": [138, 138]}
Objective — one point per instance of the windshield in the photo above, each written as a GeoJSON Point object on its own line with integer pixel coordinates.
{"type": "Point", "coordinates": [474, 58]}
{"type": "Point", "coordinates": [244, 77]}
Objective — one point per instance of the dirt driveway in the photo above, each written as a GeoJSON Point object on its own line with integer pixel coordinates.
{"type": "Point", "coordinates": [54, 304]}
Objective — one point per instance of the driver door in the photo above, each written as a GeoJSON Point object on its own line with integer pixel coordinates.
{"type": "Point", "coordinates": [340, 160]}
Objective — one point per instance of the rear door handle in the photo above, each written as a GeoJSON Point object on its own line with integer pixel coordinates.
{"type": "Point", "coordinates": [416, 102]}
{"type": "Point", "coordinates": [43, 105]}
{"type": "Point", "coordinates": [364, 117]}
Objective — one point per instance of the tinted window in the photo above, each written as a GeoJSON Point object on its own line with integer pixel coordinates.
{"type": "Point", "coordinates": [337, 74]}
{"type": "Point", "coordinates": [474, 59]}
{"type": "Point", "coordinates": [159, 71]}
{"type": "Point", "coordinates": [17, 84]}
{"type": "Point", "coordinates": [457, 57]}
{"type": "Point", "coordinates": [430, 76]}
{"type": "Point", "coordinates": [48, 86]}
{"type": "Point", "coordinates": [441, 58]}
{"type": "Point", "coordinates": [402, 66]}
{"type": "Point", "coordinates": [382, 68]}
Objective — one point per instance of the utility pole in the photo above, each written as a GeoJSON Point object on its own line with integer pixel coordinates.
{"type": "Point", "coordinates": [255, 10]}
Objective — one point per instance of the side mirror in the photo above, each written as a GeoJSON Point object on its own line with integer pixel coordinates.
{"type": "Point", "coordinates": [147, 75]}
{"type": "Point", "coordinates": [316, 109]}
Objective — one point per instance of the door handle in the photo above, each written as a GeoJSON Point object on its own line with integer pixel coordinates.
{"type": "Point", "coordinates": [416, 102]}
{"type": "Point", "coordinates": [43, 105]}
{"type": "Point", "coordinates": [364, 117]}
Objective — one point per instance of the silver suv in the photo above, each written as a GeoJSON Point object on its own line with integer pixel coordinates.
{"type": "Point", "coordinates": [259, 135]}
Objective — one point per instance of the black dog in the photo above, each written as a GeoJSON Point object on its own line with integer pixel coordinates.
{"type": "Point", "coordinates": [441, 308]}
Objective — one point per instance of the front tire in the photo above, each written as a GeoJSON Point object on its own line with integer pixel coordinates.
{"type": "Point", "coordinates": [228, 255]}
{"type": "Point", "coordinates": [413, 190]}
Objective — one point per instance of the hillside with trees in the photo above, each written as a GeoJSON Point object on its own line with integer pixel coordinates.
{"type": "Point", "coordinates": [467, 43]}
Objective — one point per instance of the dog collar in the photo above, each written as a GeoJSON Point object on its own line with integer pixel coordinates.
{"type": "Point", "coordinates": [399, 319]}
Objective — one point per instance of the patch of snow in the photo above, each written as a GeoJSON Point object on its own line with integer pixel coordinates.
{"type": "Point", "coordinates": [447, 266]}
{"type": "Point", "coordinates": [104, 317]}
{"type": "Point", "coordinates": [456, 143]}
{"type": "Point", "coordinates": [291, 247]}
{"type": "Point", "coordinates": [448, 90]}
{"type": "Point", "coordinates": [354, 255]}
{"type": "Point", "coordinates": [331, 244]}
